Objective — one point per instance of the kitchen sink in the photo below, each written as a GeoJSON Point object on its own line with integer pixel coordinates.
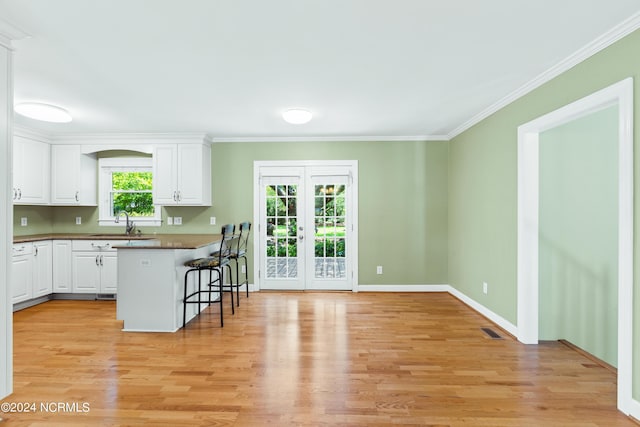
{"type": "Point", "coordinates": [120, 237]}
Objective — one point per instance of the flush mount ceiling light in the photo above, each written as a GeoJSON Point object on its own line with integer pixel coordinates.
{"type": "Point", "coordinates": [43, 112]}
{"type": "Point", "coordinates": [296, 116]}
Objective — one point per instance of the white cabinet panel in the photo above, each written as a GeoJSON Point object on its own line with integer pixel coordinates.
{"type": "Point", "coordinates": [31, 172]}
{"type": "Point", "coordinates": [42, 269]}
{"type": "Point", "coordinates": [182, 175]}
{"type": "Point", "coordinates": [86, 272]}
{"type": "Point", "coordinates": [21, 272]}
{"type": "Point", "coordinates": [165, 176]}
{"type": "Point", "coordinates": [62, 266]}
{"type": "Point", "coordinates": [109, 273]}
{"type": "Point", "coordinates": [73, 176]}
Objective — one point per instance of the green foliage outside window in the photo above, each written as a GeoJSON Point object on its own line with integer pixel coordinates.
{"type": "Point", "coordinates": [132, 192]}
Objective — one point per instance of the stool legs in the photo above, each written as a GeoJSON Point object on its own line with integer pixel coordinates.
{"type": "Point", "coordinates": [199, 291]}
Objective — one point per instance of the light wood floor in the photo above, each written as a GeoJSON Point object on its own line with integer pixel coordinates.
{"type": "Point", "coordinates": [309, 359]}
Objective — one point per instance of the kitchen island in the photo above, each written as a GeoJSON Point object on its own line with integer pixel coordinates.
{"type": "Point", "coordinates": [151, 280]}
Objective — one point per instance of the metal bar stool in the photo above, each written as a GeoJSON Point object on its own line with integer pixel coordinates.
{"type": "Point", "coordinates": [239, 251]}
{"type": "Point", "coordinates": [214, 263]}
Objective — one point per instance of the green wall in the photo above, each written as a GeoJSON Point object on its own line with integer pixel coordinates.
{"type": "Point", "coordinates": [402, 203]}
{"type": "Point", "coordinates": [578, 241]}
{"type": "Point", "coordinates": [483, 180]}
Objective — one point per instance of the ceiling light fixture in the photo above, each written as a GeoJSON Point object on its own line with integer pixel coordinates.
{"type": "Point", "coordinates": [43, 112]}
{"type": "Point", "coordinates": [297, 116]}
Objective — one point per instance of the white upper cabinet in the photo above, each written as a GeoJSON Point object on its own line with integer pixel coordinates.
{"type": "Point", "coordinates": [73, 176]}
{"type": "Point", "coordinates": [182, 174]}
{"type": "Point", "coordinates": [31, 172]}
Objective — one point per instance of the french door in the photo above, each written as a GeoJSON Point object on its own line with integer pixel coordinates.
{"type": "Point", "coordinates": [306, 225]}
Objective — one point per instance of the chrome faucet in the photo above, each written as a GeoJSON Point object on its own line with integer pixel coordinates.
{"type": "Point", "coordinates": [130, 225]}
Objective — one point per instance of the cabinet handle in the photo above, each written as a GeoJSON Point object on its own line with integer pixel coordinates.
{"type": "Point", "coordinates": [179, 195]}
{"type": "Point", "coordinates": [36, 252]}
{"type": "Point", "coordinates": [15, 194]}
{"type": "Point", "coordinates": [22, 248]}
{"type": "Point", "coordinates": [97, 262]}
{"type": "Point", "coordinates": [77, 196]}
{"type": "Point", "coordinates": [175, 196]}
{"type": "Point", "coordinates": [19, 194]}
{"type": "Point", "coordinates": [101, 264]}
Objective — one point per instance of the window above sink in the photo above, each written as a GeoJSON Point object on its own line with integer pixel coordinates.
{"type": "Point", "coordinates": [126, 185]}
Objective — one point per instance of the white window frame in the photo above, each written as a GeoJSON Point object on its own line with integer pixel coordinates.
{"type": "Point", "coordinates": [122, 164]}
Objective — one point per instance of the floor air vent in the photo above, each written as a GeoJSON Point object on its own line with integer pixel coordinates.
{"type": "Point", "coordinates": [491, 333]}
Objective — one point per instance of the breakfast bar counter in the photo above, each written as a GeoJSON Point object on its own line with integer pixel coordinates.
{"type": "Point", "coordinates": [151, 279]}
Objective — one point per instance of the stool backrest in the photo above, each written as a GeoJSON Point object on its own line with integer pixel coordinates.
{"type": "Point", "coordinates": [243, 238]}
{"type": "Point", "coordinates": [226, 244]}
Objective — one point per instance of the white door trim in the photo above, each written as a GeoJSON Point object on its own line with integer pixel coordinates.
{"type": "Point", "coordinates": [620, 94]}
{"type": "Point", "coordinates": [258, 164]}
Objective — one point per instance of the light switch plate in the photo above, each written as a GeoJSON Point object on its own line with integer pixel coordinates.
{"type": "Point", "coordinates": [78, 220]}
{"type": "Point", "coordinates": [169, 220]}
{"type": "Point", "coordinates": [23, 221]}
{"type": "Point", "coordinates": [177, 220]}
{"type": "Point", "coordinates": [212, 220]}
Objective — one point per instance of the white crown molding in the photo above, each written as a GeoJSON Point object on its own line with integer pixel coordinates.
{"type": "Point", "coordinates": [9, 32]}
{"type": "Point", "coordinates": [408, 138]}
{"type": "Point", "coordinates": [129, 138]}
{"type": "Point", "coordinates": [29, 133]}
{"type": "Point", "coordinates": [621, 30]}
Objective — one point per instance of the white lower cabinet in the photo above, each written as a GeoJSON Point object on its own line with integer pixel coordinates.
{"type": "Point", "coordinates": [21, 272]}
{"type": "Point", "coordinates": [94, 267]}
{"type": "Point", "coordinates": [31, 275]}
{"type": "Point", "coordinates": [42, 269]}
{"type": "Point", "coordinates": [62, 266]}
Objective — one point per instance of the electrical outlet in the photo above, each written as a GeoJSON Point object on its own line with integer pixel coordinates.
{"type": "Point", "coordinates": [212, 220]}
{"type": "Point", "coordinates": [169, 220]}
{"type": "Point", "coordinates": [23, 221]}
{"type": "Point", "coordinates": [243, 269]}
{"type": "Point", "coordinates": [177, 220]}
{"type": "Point", "coordinates": [485, 287]}
{"type": "Point", "coordinates": [78, 220]}
{"type": "Point", "coordinates": [379, 269]}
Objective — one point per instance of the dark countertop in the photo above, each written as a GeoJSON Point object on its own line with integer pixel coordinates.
{"type": "Point", "coordinates": [144, 241]}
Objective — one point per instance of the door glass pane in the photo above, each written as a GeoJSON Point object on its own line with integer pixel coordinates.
{"type": "Point", "coordinates": [329, 245]}
{"type": "Point", "coordinates": [282, 220]}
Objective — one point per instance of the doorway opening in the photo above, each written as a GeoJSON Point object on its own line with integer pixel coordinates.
{"type": "Point", "coordinates": [620, 95]}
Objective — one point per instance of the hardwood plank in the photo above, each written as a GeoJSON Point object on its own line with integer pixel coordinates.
{"type": "Point", "coordinates": [303, 358]}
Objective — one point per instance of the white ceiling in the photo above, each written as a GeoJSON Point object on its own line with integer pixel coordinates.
{"type": "Point", "coordinates": [365, 68]}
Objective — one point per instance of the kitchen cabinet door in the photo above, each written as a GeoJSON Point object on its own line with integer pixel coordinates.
{"type": "Point", "coordinates": [21, 272]}
{"type": "Point", "coordinates": [42, 269]}
{"type": "Point", "coordinates": [109, 273]}
{"type": "Point", "coordinates": [165, 175]}
{"type": "Point", "coordinates": [31, 172]}
{"type": "Point", "coordinates": [85, 271]}
{"type": "Point", "coordinates": [62, 266]}
{"type": "Point", "coordinates": [73, 176]}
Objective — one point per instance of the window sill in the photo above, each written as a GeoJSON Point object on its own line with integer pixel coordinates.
{"type": "Point", "coordinates": [151, 222]}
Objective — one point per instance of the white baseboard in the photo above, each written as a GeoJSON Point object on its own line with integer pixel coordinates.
{"type": "Point", "coordinates": [634, 409]}
{"type": "Point", "coordinates": [402, 288]}
{"type": "Point", "coordinates": [497, 319]}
